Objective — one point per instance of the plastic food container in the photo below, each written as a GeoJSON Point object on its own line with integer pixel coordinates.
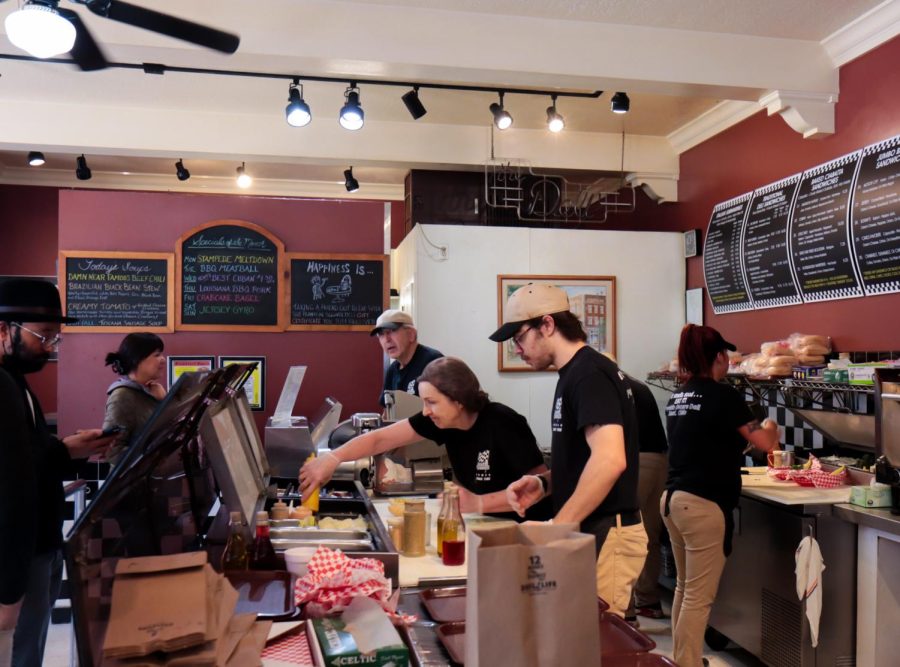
{"type": "Point", "coordinates": [297, 559]}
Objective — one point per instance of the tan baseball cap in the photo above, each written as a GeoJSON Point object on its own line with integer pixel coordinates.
{"type": "Point", "coordinates": [526, 303]}
{"type": "Point", "coordinates": [392, 319]}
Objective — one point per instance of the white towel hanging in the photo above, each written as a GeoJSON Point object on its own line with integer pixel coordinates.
{"type": "Point", "coordinates": [809, 567]}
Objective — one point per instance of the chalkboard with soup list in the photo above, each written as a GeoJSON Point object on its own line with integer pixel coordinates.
{"type": "Point", "coordinates": [336, 292]}
{"type": "Point", "coordinates": [117, 291]}
{"type": "Point", "coordinates": [229, 278]}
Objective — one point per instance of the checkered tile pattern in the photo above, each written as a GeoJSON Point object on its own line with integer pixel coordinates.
{"type": "Point", "coordinates": [833, 294]}
{"type": "Point", "coordinates": [883, 288]}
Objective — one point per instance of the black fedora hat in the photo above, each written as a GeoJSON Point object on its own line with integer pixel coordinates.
{"type": "Point", "coordinates": [30, 300]}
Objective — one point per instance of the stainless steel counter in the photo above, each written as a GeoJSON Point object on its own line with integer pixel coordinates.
{"type": "Point", "coordinates": [871, 517]}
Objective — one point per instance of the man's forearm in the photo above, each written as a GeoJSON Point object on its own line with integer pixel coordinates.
{"type": "Point", "coordinates": [596, 480]}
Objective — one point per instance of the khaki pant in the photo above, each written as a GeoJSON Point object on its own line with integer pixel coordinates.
{"type": "Point", "coordinates": [620, 562]}
{"type": "Point", "coordinates": [651, 483]}
{"type": "Point", "coordinates": [697, 530]}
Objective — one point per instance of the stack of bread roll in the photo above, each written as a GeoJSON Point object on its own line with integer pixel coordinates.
{"type": "Point", "coordinates": [810, 349]}
{"type": "Point", "coordinates": [778, 359]}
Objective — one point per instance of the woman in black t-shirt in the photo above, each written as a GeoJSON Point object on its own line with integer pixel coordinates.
{"type": "Point", "coordinates": [489, 444]}
{"type": "Point", "coordinates": [708, 424]}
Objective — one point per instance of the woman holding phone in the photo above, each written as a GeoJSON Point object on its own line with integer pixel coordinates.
{"type": "Point", "coordinates": [131, 400]}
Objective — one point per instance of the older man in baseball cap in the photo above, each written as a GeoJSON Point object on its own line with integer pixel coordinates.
{"type": "Point", "coordinates": [594, 447]}
{"type": "Point", "coordinates": [33, 464]}
{"type": "Point", "coordinates": [397, 334]}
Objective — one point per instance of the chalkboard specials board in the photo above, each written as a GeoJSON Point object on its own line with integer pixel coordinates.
{"type": "Point", "coordinates": [229, 278]}
{"type": "Point", "coordinates": [875, 221]}
{"type": "Point", "coordinates": [766, 256]}
{"type": "Point", "coordinates": [336, 292]}
{"type": "Point", "coordinates": [722, 257]}
{"type": "Point", "coordinates": [117, 291]}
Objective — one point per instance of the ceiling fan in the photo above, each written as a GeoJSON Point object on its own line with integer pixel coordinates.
{"type": "Point", "coordinates": [43, 29]}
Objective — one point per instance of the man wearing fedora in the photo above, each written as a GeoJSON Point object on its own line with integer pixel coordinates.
{"type": "Point", "coordinates": [33, 465]}
{"type": "Point", "coordinates": [594, 447]}
{"type": "Point", "coordinates": [399, 339]}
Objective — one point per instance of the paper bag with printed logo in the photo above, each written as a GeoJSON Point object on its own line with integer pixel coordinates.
{"type": "Point", "coordinates": [531, 598]}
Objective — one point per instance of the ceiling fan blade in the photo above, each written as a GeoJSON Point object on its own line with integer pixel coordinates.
{"type": "Point", "coordinates": [165, 24]}
{"type": "Point", "coordinates": [85, 52]}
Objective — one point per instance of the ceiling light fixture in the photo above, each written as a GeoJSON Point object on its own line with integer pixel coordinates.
{"type": "Point", "coordinates": [414, 104]}
{"type": "Point", "coordinates": [620, 103]}
{"type": "Point", "coordinates": [243, 178]}
{"type": "Point", "coordinates": [352, 116]}
{"type": "Point", "coordinates": [555, 121]}
{"type": "Point", "coordinates": [502, 119]}
{"type": "Point", "coordinates": [36, 158]}
{"type": "Point", "coordinates": [181, 171]}
{"type": "Point", "coordinates": [82, 171]}
{"type": "Point", "coordinates": [297, 111]}
{"type": "Point", "coordinates": [39, 29]}
{"type": "Point", "coordinates": [350, 183]}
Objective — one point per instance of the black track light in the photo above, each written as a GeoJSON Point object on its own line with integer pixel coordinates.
{"type": "Point", "coordinates": [352, 116]}
{"type": "Point", "coordinates": [181, 171]}
{"type": "Point", "coordinates": [502, 119]}
{"type": "Point", "coordinates": [414, 104]}
{"type": "Point", "coordinates": [555, 121]}
{"type": "Point", "coordinates": [620, 103]}
{"type": "Point", "coordinates": [350, 183]}
{"type": "Point", "coordinates": [297, 111]}
{"type": "Point", "coordinates": [36, 158]}
{"type": "Point", "coordinates": [82, 171]}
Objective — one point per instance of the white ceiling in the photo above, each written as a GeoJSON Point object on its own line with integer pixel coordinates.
{"type": "Point", "coordinates": [691, 68]}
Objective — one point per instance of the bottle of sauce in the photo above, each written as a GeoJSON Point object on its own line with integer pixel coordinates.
{"type": "Point", "coordinates": [453, 534]}
{"type": "Point", "coordinates": [235, 556]}
{"type": "Point", "coordinates": [445, 506]}
{"type": "Point", "coordinates": [263, 556]}
{"type": "Point", "coordinates": [311, 500]}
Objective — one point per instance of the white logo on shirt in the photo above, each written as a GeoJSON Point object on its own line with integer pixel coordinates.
{"type": "Point", "coordinates": [411, 387]}
{"type": "Point", "coordinates": [556, 422]}
{"type": "Point", "coordinates": [483, 466]}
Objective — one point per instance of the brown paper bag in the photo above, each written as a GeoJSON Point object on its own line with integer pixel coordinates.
{"type": "Point", "coordinates": [531, 598]}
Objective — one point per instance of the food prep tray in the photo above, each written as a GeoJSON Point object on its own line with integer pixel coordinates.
{"type": "Point", "coordinates": [453, 637]}
{"type": "Point", "coordinates": [267, 593]}
{"type": "Point", "coordinates": [445, 605]}
{"type": "Point", "coordinates": [637, 660]}
{"type": "Point", "coordinates": [619, 638]}
{"type": "Point", "coordinates": [343, 545]}
{"type": "Point", "coordinates": [317, 534]}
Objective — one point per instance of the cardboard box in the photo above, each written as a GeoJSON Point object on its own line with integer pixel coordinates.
{"type": "Point", "coordinates": [863, 373]}
{"type": "Point", "coordinates": [333, 646]}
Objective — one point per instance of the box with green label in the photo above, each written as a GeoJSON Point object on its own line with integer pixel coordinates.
{"type": "Point", "coordinates": [337, 647]}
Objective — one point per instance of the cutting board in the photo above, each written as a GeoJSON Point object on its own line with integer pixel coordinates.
{"type": "Point", "coordinates": [762, 486]}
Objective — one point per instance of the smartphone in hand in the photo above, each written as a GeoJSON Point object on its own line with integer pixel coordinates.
{"type": "Point", "coordinates": [112, 430]}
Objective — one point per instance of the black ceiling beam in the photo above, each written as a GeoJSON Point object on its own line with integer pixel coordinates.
{"type": "Point", "coordinates": [157, 68]}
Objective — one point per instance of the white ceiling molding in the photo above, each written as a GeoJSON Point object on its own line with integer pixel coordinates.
{"type": "Point", "coordinates": [810, 115]}
{"type": "Point", "coordinates": [869, 31]}
{"type": "Point", "coordinates": [659, 187]}
{"type": "Point", "coordinates": [199, 184]}
{"type": "Point", "coordinates": [707, 125]}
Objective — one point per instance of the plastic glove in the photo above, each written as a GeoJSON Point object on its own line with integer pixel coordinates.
{"type": "Point", "coordinates": [317, 471]}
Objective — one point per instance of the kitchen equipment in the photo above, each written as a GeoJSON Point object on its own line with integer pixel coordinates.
{"type": "Point", "coordinates": [780, 458]}
{"type": "Point", "coordinates": [428, 476]}
{"type": "Point", "coordinates": [887, 431]}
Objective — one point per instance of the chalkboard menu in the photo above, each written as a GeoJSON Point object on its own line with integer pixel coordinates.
{"type": "Point", "coordinates": [229, 278]}
{"type": "Point", "coordinates": [336, 292]}
{"type": "Point", "coordinates": [767, 262]}
{"type": "Point", "coordinates": [722, 257]}
{"type": "Point", "coordinates": [819, 226]}
{"type": "Point", "coordinates": [875, 225]}
{"type": "Point", "coordinates": [117, 291]}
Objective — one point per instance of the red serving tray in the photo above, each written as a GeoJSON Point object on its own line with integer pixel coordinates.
{"type": "Point", "coordinates": [445, 605]}
{"type": "Point", "coordinates": [268, 593]}
{"type": "Point", "coordinates": [637, 660]}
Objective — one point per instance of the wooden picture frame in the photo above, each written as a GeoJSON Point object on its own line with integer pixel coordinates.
{"type": "Point", "coordinates": [591, 297]}
{"type": "Point", "coordinates": [255, 387]}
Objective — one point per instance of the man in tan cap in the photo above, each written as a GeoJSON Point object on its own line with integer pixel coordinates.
{"type": "Point", "coordinates": [399, 339]}
{"type": "Point", "coordinates": [594, 448]}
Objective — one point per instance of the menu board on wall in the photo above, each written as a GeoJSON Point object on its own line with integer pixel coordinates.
{"type": "Point", "coordinates": [819, 232]}
{"type": "Point", "coordinates": [117, 291]}
{"type": "Point", "coordinates": [767, 262]}
{"type": "Point", "coordinates": [875, 219]}
{"type": "Point", "coordinates": [722, 257]}
{"type": "Point", "coordinates": [229, 278]}
{"type": "Point", "coordinates": [336, 292]}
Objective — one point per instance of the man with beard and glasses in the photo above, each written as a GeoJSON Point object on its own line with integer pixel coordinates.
{"type": "Point", "coordinates": [33, 465]}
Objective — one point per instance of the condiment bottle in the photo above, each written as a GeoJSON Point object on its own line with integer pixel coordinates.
{"type": "Point", "coordinates": [414, 528]}
{"type": "Point", "coordinates": [453, 534]}
{"type": "Point", "coordinates": [263, 555]}
{"type": "Point", "coordinates": [280, 510]}
{"type": "Point", "coordinates": [445, 505]}
{"type": "Point", "coordinates": [235, 555]}
{"type": "Point", "coordinates": [311, 500]}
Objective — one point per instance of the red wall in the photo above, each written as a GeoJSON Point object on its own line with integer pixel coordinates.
{"type": "Point", "coordinates": [28, 247]}
{"type": "Point", "coordinates": [346, 365]}
{"type": "Point", "coordinates": [762, 150]}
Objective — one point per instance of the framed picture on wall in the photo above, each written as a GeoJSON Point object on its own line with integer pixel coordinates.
{"type": "Point", "coordinates": [591, 298]}
{"type": "Point", "coordinates": [693, 306]}
{"type": "Point", "coordinates": [178, 365]}
{"type": "Point", "coordinates": [255, 386]}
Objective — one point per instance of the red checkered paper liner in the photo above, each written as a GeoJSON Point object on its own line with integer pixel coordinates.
{"type": "Point", "coordinates": [334, 579]}
{"type": "Point", "coordinates": [812, 476]}
{"type": "Point", "coordinates": [292, 649]}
